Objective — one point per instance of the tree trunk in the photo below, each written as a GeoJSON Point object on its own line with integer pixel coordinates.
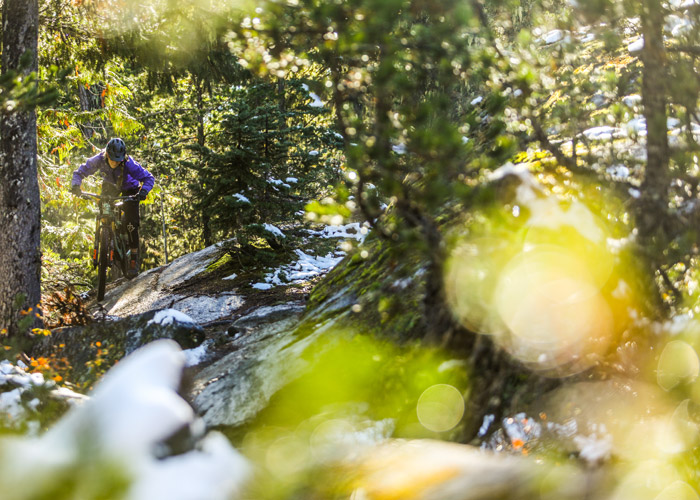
{"type": "Point", "coordinates": [201, 138]}
{"type": "Point", "coordinates": [654, 199]}
{"type": "Point", "coordinates": [20, 212]}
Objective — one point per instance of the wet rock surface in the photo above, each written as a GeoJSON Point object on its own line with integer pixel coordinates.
{"type": "Point", "coordinates": [265, 356]}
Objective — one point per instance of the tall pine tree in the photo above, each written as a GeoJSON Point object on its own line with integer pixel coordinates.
{"type": "Point", "coordinates": [20, 212]}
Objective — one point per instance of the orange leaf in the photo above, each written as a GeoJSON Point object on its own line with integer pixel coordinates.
{"type": "Point", "coordinates": [518, 443]}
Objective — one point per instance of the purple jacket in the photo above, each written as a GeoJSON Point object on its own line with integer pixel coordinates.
{"type": "Point", "coordinates": [134, 174]}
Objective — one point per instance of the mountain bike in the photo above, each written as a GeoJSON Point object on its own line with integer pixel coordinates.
{"type": "Point", "coordinates": [111, 243]}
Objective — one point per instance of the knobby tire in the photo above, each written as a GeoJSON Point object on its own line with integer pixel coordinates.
{"type": "Point", "coordinates": [103, 263]}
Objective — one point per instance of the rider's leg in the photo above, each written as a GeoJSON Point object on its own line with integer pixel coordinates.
{"type": "Point", "coordinates": [131, 223]}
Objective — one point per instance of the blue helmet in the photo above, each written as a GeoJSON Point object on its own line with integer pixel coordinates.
{"type": "Point", "coordinates": [116, 149]}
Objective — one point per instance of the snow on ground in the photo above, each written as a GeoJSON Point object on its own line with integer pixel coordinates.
{"type": "Point", "coordinates": [353, 230]}
{"type": "Point", "coordinates": [133, 409]}
{"type": "Point", "coordinates": [307, 267]}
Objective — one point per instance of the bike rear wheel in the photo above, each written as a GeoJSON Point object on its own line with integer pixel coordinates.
{"type": "Point", "coordinates": [102, 263]}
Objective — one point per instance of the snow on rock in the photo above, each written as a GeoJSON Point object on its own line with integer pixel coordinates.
{"type": "Point", "coordinates": [274, 230]}
{"type": "Point", "coordinates": [205, 308]}
{"type": "Point", "coordinates": [20, 384]}
{"type": "Point", "coordinates": [134, 408]}
{"type": "Point", "coordinates": [212, 472]}
{"type": "Point", "coordinates": [170, 316]}
{"type": "Point", "coordinates": [195, 356]}
{"type": "Point", "coordinates": [231, 277]}
{"type": "Point", "coordinates": [11, 404]}
{"type": "Point", "coordinates": [636, 46]}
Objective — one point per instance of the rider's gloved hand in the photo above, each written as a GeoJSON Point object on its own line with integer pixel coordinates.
{"type": "Point", "coordinates": [141, 195]}
{"type": "Point", "coordinates": [75, 189]}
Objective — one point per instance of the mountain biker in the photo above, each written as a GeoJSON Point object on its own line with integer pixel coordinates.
{"type": "Point", "coordinates": [122, 174]}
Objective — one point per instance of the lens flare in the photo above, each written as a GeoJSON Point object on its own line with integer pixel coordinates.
{"type": "Point", "coordinates": [539, 285]}
{"type": "Point", "coordinates": [678, 363]}
{"type": "Point", "coordinates": [440, 408]}
{"type": "Point", "coordinates": [553, 310]}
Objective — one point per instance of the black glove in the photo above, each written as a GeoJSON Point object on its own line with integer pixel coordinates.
{"type": "Point", "coordinates": [75, 189]}
{"type": "Point", "coordinates": [141, 195]}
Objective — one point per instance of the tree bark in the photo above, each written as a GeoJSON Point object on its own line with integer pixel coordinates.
{"type": "Point", "coordinates": [654, 199]}
{"type": "Point", "coordinates": [20, 211]}
{"type": "Point", "coordinates": [201, 138]}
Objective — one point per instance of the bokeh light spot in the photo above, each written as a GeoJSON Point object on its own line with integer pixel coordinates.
{"type": "Point", "coordinates": [678, 363]}
{"type": "Point", "coordinates": [440, 408]}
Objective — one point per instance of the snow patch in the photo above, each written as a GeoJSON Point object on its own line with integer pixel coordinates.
{"type": "Point", "coordinates": [632, 100]}
{"type": "Point", "coordinates": [620, 171]}
{"type": "Point", "coordinates": [242, 198]}
{"type": "Point", "coordinates": [554, 36]}
{"type": "Point", "coordinates": [353, 230]}
{"type": "Point", "coordinates": [274, 230]}
{"type": "Point", "coordinates": [636, 46]}
{"type": "Point", "coordinates": [316, 101]}
{"type": "Point", "coordinates": [133, 409]}
{"type": "Point", "coordinates": [594, 449]}
{"type": "Point", "coordinates": [195, 356]}
{"type": "Point", "coordinates": [603, 133]}
{"type": "Point", "coordinates": [170, 316]}
{"type": "Point", "coordinates": [262, 286]}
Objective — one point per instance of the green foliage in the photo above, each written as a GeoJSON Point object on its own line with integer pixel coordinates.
{"type": "Point", "coordinates": [353, 384]}
{"type": "Point", "coordinates": [269, 152]}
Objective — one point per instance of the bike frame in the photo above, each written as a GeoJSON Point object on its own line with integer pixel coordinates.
{"type": "Point", "coordinates": [111, 246]}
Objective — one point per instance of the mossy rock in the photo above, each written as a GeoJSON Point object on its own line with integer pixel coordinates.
{"type": "Point", "coordinates": [87, 352]}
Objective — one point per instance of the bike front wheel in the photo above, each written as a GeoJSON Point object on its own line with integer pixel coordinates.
{"type": "Point", "coordinates": [102, 263]}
